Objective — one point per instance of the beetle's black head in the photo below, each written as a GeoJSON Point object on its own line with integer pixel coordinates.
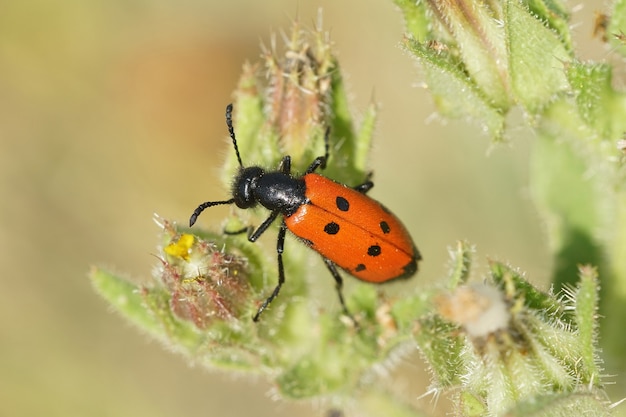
{"type": "Point", "coordinates": [244, 185]}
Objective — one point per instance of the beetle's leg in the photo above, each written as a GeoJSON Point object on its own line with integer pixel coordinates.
{"type": "Point", "coordinates": [285, 165]}
{"type": "Point", "coordinates": [367, 185]}
{"type": "Point", "coordinates": [253, 236]}
{"type": "Point", "coordinates": [320, 161]}
{"type": "Point", "coordinates": [280, 242]}
{"type": "Point", "coordinates": [339, 287]}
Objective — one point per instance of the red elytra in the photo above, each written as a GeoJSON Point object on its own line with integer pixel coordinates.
{"type": "Point", "coordinates": [354, 231]}
{"type": "Point", "coordinates": [345, 226]}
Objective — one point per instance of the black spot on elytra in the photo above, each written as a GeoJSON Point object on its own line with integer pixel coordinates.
{"type": "Point", "coordinates": [359, 268]}
{"type": "Point", "coordinates": [373, 250]}
{"type": "Point", "coordinates": [342, 204]}
{"type": "Point", "coordinates": [384, 227]}
{"type": "Point", "coordinates": [331, 228]}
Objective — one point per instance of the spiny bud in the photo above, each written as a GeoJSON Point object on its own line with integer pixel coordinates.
{"type": "Point", "coordinates": [299, 85]}
{"type": "Point", "coordinates": [520, 343]}
{"type": "Point", "coordinates": [205, 283]}
{"type": "Point", "coordinates": [483, 58]}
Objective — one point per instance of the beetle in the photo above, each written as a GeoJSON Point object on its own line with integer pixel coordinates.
{"type": "Point", "coordinates": [345, 226]}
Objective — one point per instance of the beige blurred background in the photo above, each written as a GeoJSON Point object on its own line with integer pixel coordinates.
{"type": "Point", "coordinates": [113, 110]}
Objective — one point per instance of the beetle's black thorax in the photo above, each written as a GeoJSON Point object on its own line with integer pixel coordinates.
{"type": "Point", "coordinates": [274, 190]}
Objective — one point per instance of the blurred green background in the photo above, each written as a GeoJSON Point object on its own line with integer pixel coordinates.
{"type": "Point", "coordinates": [111, 111]}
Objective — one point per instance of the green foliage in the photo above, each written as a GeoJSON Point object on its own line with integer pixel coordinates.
{"type": "Point", "coordinates": [494, 344]}
{"type": "Point", "coordinates": [576, 165]}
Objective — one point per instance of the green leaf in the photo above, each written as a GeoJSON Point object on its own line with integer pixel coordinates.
{"type": "Point", "coordinates": [181, 336]}
{"type": "Point", "coordinates": [364, 138]}
{"type": "Point", "coordinates": [455, 94]}
{"type": "Point", "coordinates": [441, 349]}
{"type": "Point", "coordinates": [536, 58]}
{"type": "Point", "coordinates": [147, 309]}
{"type": "Point", "coordinates": [586, 300]}
{"type": "Point", "coordinates": [126, 298]}
{"type": "Point", "coordinates": [554, 14]}
{"type": "Point", "coordinates": [540, 302]}
{"type": "Point", "coordinates": [562, 405]}
{"type": "Point", "coordinates": [348, 162]}
{"type": "Point", "coordinates": [415, 18]}
{"type": "Point", "coordinates": [599, 105]}
{"type": "Point", "coordinates": [460, 264]}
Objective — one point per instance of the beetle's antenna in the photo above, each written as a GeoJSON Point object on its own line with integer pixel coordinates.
{"type": "Point", "coordinates": [203, 206]}
{"type": "Point", "coordinates": [231, 131]}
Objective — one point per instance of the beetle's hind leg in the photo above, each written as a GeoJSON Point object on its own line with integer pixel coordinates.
{"type": "Point", "coordinates": [367, 185]}
{"type": "Point", "coordinates": [339, 287]}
